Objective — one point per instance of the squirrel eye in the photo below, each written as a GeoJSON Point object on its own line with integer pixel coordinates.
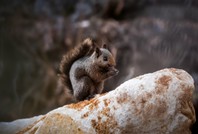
{"type": "Point", "coordinates": [105, 58]}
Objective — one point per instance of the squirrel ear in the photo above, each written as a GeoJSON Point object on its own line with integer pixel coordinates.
{"type": "Point", "coordinates": [105, 46]}
{"type": "Point", "coordinates": [98, 52]}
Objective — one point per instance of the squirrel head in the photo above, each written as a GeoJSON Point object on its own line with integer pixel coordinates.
{"type": "Point", "coordinates": [105, 61]}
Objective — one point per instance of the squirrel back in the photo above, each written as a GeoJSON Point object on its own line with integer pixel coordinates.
{"type": "Point", "coordinates": [83, 49]}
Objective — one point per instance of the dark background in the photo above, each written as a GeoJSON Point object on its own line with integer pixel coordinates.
{"type": "Point", "coordinates": [143, 35]}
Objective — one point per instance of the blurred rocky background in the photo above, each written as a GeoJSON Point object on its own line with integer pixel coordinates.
{"type": "Point", "coordinates": [143, 35]}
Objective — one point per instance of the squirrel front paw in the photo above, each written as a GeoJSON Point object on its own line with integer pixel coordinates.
{"type": "Point", "coordinates": [90, 97]}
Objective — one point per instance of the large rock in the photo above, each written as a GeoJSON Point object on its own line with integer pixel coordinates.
{"type": "Point", "coordinates": [159, 102]}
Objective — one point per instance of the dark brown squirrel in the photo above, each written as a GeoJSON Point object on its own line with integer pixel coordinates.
{"type": "Point", "coordinates": [84, 69]}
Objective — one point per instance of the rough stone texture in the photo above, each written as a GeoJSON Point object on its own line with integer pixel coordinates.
{"type": "Point", "coordinates": [159, 102]}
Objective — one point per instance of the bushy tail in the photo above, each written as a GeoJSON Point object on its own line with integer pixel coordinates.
{"type": "Point", "coordinates": [85, 48]}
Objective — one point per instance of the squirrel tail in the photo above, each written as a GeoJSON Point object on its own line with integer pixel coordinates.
{"type": "Point", "coordinates": [83, 49]}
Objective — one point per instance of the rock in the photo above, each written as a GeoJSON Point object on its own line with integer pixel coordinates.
{"type": "Point", "coordinates": [13, 127]}
{"type": "Point", "coordinates": [159, 102]}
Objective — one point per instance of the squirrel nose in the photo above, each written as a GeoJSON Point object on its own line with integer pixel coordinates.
{"type": "Point", "coordinates": [113, 71]}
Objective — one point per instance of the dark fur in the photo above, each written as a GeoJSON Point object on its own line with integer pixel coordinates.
{"type": "Point", "coordinates": [83, 49]}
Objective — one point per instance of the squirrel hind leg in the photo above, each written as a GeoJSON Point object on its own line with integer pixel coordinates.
{"type": "Point", "coordinates": [83, 89]}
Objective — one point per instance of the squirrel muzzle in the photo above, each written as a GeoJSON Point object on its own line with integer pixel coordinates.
{"type": "Point", "coordinates": [113, 71]}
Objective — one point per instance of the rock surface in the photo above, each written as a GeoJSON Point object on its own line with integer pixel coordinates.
{"type": "Point", "coordinates": [159, 102]}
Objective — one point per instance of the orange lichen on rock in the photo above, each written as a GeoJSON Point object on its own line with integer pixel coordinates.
{"type": "Point", "coordinates": [122, 98]}
{"type": "Point", "coordinates": [79, 105]}
{"type": "Point", "coordinates": [94, 104]}
{"type": "Point", "coordinates": [164, 80]}
{"type": "Point", "coordinates": [162, 84]}
{"type": "Point", "coordinates": [106, 125]}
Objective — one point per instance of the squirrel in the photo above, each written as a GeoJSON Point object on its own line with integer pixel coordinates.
{"type": "Point", "coordinates": [84, 69]}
